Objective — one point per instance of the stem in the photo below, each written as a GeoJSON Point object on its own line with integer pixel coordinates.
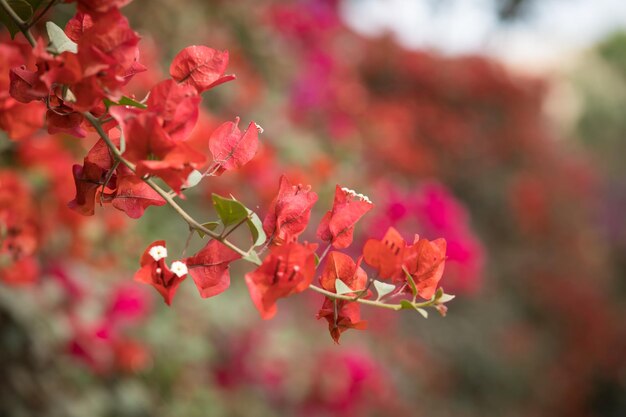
{"type": "Point", "coordinates": [164, 194]}
{"type": "Point", "coordinates": [34, 21]}
{"type": "Point", "coordinates": [235, 227]}
{"type": "Point", "coordinates": [21, 25]}
{"type": "Point", "coordinates": [395, 307]}
{"type": "Point", "coordinates": [187, 242]}
{"type": "Point", "coordinates": [321, 258]}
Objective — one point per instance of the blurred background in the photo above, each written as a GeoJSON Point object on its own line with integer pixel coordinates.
{"type": "Point", "coordinates": [499, 125]}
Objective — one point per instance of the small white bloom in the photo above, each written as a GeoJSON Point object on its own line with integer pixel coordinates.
{"type": "Point", "coordinates": [179, 268]}
{"type": "Point", "coordinates": [158, 252]}
{"type": "Point", "coordinates": [259, 128]}
{"type": "Point", "coordinates": [353, 193]}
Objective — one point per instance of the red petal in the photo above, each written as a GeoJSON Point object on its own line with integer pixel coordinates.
{"type": "Point", "coordinates": [133, 196]}
{"type": "Point", "coordinates": [209, 268]}
{"type": "Point", "coordinates": [200, 66]}
{"type": "Point", "coordinates": [230, 148]}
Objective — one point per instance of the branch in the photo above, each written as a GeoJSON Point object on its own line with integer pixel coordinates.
{"type": "Point", "coordinates": [163, 193]}
{"type": "Point", "coordinates": [36, 19]}
{"type": "Point", "coordinates": [395, 307]}
{"type": "Point", "coordinates": [21, 25]}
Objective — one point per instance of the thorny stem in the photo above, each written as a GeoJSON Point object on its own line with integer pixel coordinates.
{"type": "Point", "coordinates": [21, 25]}
{"type": "Point", "coordinates": [193, 224]}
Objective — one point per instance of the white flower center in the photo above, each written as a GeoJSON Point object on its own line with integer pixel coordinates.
{"type": "Point", "coordinates": [179, 268]}
{"type": "Point", "coordinates": [353, 193]}
{"type": "Point", "coordinates": [158, 252]}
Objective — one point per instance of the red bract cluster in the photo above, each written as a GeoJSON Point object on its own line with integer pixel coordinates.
{"type": "Point", "coordinates": [79, 76]}
{"type": "Point", "coordinates": [19, 120]}
{"type": "Point", "coordinates": [340, 314]}
{"type": "Point", "coordinates": [19, 234]}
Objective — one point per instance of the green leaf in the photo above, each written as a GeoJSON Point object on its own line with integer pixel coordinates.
{"type": "Point", "coordinates": [341, 288]}
{"type": "Point", "coordinates": [256, 229]}
{"type": "Point", "coordinates": [409, 278]}
{"type": "Point", "coordinates": [208, 225]}
{"type": "Point", "coordinates": [317, 259]}
{"type": "Point", "coordinates": [232, 212]}
{"type": "Point", "coordinates": [442, 298]}
{"type": "Point", "coordinates": [125, 101]}
{"type": "Point", "coordinates": [407, 305]}
{"type": "Point", "coordinates": [252, 257]}
{"type": "Point", "coordinates": [382, 288]}
{"type": "Point", "coordinates": [59, 42]}
{"type": "Point", "coordinates": [22, 8]}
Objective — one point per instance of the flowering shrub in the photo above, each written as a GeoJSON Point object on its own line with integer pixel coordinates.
{"type": "Point", "coordinates": [143, 157]}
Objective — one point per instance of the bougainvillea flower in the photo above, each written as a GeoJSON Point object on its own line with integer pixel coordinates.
{"type": "Point", "coordinates": [90, 177]}
{"type": "Point", "coordinates": [425, 261]}
{"type": "Point", "coordinates": [393, 258]}
{"type": "Point", "coordinates": [146, 137]}
{"type": "Point", "coordinates": [209, 268]}
{"type": "Point", "coordinates": [386, 255]}
{"type": "Point", "coordinates": [289, 212]}
{"type": "Point", "coordinates": [154, 271]}
{"type": "Point", "coordinates": [337, 225]}
{"type": "Point", "coordinates": [176, 106]}
{"type": "Point", "coordinates": [342, 315]}
{"type": "Point", "coordinates": [232, 149]}
{"type": "Point", "coordinates": [201, 67]}
{"type": "Point", "coordinates": [77, 25]}
{"type": "Point", "coordinates": [289, 269]}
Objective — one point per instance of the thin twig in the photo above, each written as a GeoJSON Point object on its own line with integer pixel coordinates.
{"type": "Point", "coordinates": [163, 193]}
{"type": "Point", "coordinates": [34, 20]}
{"type": "Point", "coordinates": [21, 25]}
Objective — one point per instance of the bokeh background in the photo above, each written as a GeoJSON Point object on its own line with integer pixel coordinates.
{"type": "Point", "coordinates": [498, 125]}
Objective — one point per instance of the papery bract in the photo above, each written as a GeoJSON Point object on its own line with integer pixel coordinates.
{"type": "Point", "coordinates": [133, 196]}
{"type": "Point", "coordinates": [146, 137]}
{"type": "Point", "coordinates": [176, 106]}
{"type": "Point", "coordinates": [341, 314]}
{"type": "Point", "coordinates": [386, 255]}
{"type": "Point", "coordinates": [337, 225]}
{"type": "Point", "coordinates": [154, 271]}
{"type": "Point", "coordinates": [289, 212]}
{"type": "Point", "coordinates": [201, 67]}
{"type": "Point", "coordinates": [209, 268]}
{"type": "Point", "coordinates": [425, 261]}
{"type": "Point", "coordinates": [289, 269]}
{"type": "Point", "coordinates": [232, 149]}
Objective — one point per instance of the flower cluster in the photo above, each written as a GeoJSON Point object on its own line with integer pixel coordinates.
{"type": "Point", "coordinates": [144, 156]}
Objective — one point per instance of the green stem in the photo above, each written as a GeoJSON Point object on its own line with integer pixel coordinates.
{"type": "Point", "coordinates": [395, 307]}
{"type": "Point", "coordinates": [21, 25]}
